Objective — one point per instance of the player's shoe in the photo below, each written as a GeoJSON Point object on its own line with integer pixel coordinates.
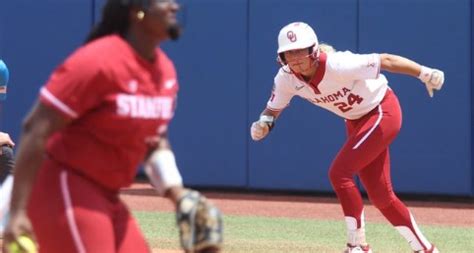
{"type": "Point", "coordinates": [358, 249]}
{"type": "Point", "coordinates": [432, 250]}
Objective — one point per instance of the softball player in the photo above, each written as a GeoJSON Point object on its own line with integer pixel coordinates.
{"type": "Point", "coordinates": [351, 86]}
{"type": "Point", "coordinates": [6, 155]}
{"type": "Point", "coordinates": [102, 112]}
{"type": "Point", "coordinates": [6, 143]}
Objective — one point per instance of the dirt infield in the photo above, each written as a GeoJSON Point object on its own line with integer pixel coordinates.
{"type": "Point", "coordinates": [141, 197]}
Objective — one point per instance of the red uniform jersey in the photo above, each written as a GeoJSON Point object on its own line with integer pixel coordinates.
{"type": "Point", "coordinates": [116, 100]}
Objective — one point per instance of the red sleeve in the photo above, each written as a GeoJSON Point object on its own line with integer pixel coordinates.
{"type": "Point", "coordinates": [75, 87]}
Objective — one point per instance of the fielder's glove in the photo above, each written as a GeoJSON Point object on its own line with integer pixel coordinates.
{"type": "Point", "coordinates": [432, 78]}
{"type": "Point", "coordinates": [200, 224]}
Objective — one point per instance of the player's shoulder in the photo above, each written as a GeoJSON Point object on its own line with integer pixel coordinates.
{"type": "Point", "coordinates": [284, 74]}
{"type": "Point", "coordinates": [96, 52]}
{"type": "Point", "coordinates": [341, 59]}
{"type": "Point", "coordinates": [345, 55]}
{"type": "Point", "coordinates": [92, 59]}
{"type": "Point", "coordinates": [339, 56]}
{"type": "Point", "coordinates": [103, 54]}
{"type": "Point", "coordinates": [165, 62]}
{"type": "Point", "coordinates": [162, 55]}
{"type": "Point", "coordinates": [106, 48]}
{"type": "Point", "coordinates": [284, 78]}
{"type": "Point", "coordinates": [348, 59]}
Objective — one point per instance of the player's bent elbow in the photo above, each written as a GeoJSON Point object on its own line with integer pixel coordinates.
{"type": "Point", "coordinates": [386, 61]}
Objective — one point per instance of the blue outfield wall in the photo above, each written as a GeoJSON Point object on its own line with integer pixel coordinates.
{"type": "Point", "coordinates": [472, 96]}
{"type": "Point", "coordinates": [209, 132]}
{"type": "Point", "coordinates": [226, 64]}
{"type": "Point", "coordinates": [35, 36]}
{"type": "Point", "coordinates": [432, 152]}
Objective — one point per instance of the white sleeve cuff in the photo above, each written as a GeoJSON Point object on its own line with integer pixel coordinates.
{"type": "Point", "coordinates": [162, 170]}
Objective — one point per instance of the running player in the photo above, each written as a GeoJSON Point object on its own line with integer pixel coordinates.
{"type": "Point", "coordinates": [351, 86]}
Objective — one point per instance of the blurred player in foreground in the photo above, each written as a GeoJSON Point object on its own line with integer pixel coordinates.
{"type": "Point", "coordinates": [351, 86]}
{"type": "Point", "coordinates": [104, 111]}
{"type": "Point", "coordinates": [6, 155]}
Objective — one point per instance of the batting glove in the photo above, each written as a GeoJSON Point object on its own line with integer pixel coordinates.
{"type": "Point", "coordinates": [432, 78]}
{"type": "Point", "coordinates": [262, 127]}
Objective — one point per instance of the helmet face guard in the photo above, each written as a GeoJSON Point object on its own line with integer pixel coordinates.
{"type": "Point", "coordinates": [281, 56]}
{"type": "Point", "coordinates": [297, 35]}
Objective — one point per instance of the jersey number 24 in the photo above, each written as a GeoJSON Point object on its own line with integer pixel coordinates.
{"type": "Point", "coordinates": [351, 100]}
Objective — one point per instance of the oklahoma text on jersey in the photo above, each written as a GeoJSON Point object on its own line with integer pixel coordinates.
{"type": "Point", "coordinates": [347, 84]}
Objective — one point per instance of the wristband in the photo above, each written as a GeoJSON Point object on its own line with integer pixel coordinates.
{"type": "Point", "coordinates": [162, 170]}
{"type": "Point", "coordinates": [425, 74]}
{"type": "Point", "coordinates": [269, 120]}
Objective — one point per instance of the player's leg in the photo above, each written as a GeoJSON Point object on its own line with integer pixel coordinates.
{"type": "Point", "coordinates": [71, 214]}
{"type": "Point", "coordinates": [127, 233]}
{"type": "Point", "coordinates": [5, 195]}
{"type": "Point", "coordinates": [377, 182]}
{"type": "Point", "coordinates": [368, 137]}
{"type": "Point", "coordinates": [6, 183]}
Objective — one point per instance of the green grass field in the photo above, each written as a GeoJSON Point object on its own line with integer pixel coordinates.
{"type": "Point", "coordinates": [249, 234]}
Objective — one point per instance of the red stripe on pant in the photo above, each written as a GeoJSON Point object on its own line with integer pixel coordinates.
{"type": "Point", "coordinates": [365, 153]}
{"type": "Point", "coordinates": [70, 213]}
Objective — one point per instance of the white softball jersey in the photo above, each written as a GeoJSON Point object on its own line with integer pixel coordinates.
{"type": "Point", "coordinates": [347, 84]}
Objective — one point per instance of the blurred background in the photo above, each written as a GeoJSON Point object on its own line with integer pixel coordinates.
{"type": "Point", "coordinates": [226, 64]}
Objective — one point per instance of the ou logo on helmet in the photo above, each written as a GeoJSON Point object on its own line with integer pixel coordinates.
{"type": "Point", "coordinates": [291, 36]}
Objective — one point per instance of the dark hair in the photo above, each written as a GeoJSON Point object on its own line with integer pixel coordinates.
{"type": "Point", "coordinates": [115, 18]}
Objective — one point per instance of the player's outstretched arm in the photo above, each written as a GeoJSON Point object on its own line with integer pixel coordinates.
{"type": "Point", "coordinates": [199, 221]}
{"type": "Point", "coordinates": [432, 78]}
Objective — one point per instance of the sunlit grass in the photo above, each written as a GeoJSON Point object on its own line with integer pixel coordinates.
{"type": "Point", "coordinates": [250, 234]}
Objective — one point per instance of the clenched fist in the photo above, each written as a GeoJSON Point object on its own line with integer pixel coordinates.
{"type": "Point", "coordinates": [262, 127]}
{"type": "Point", "coordinates": [259, 130]}
{"type": "Point", "coordinates": [432, 78]}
